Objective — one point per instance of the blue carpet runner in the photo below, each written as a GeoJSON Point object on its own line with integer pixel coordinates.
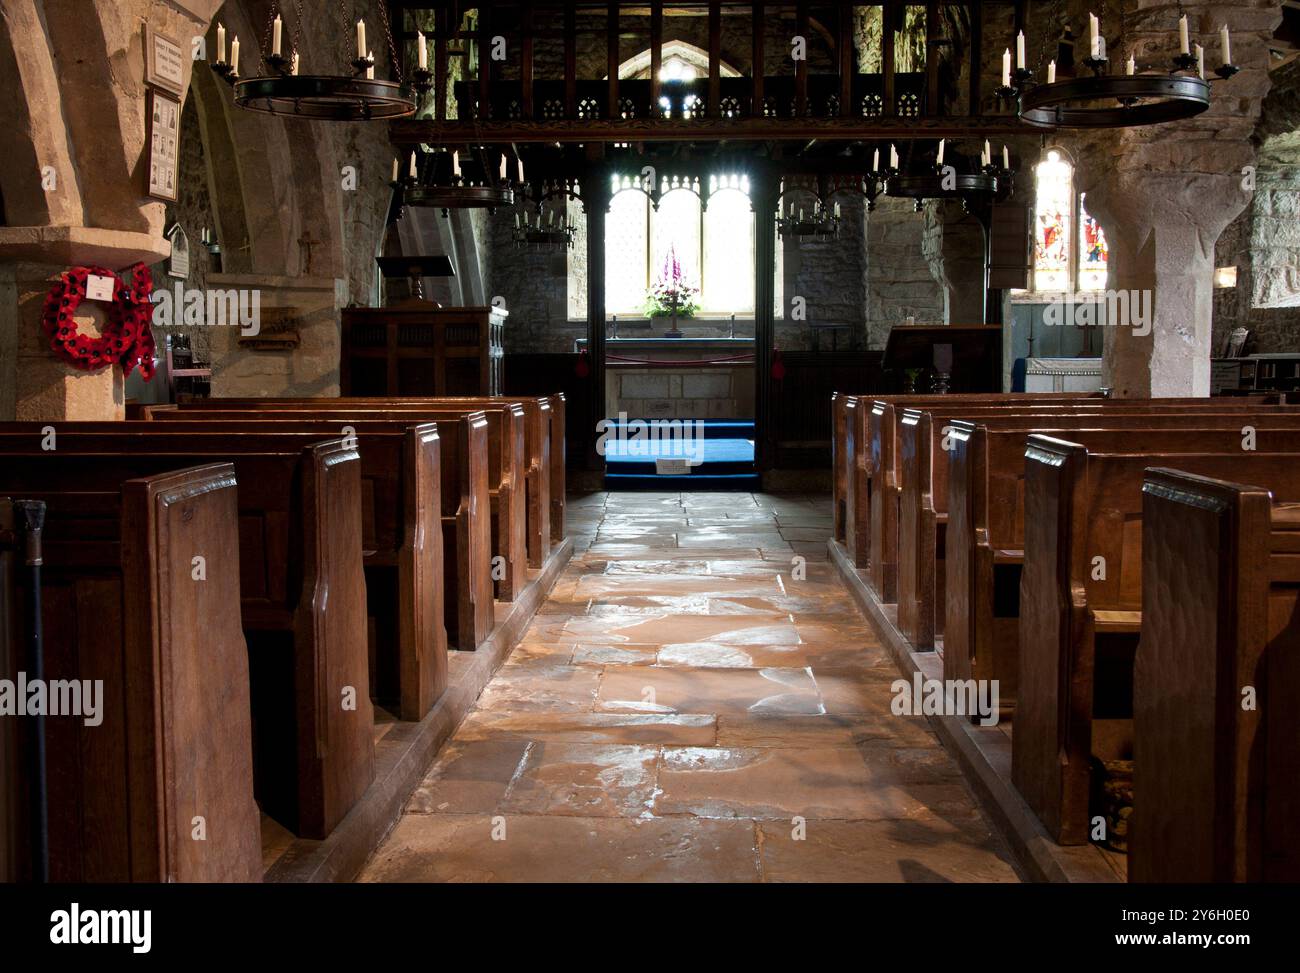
{"type": "Point", "coordinates": [719, 455]}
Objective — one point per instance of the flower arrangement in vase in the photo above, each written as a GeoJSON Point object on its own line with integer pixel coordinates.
{"type": "Point", "coordinates": [672, 295]}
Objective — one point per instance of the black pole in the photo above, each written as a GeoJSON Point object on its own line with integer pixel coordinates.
{"type": "Point", "coordinates": [33, 521]}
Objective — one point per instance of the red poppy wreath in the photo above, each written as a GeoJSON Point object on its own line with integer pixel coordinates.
{"type": "Point", "coordinates": [125, 337]}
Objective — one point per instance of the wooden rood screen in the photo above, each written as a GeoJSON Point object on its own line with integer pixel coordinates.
{"type": "Point", "coordinates": [901, 70]}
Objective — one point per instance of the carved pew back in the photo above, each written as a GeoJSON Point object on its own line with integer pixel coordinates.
{"type": "Point", "coordinates": [302, 596]}
{"type": "Point", "coordinates": [125, 602]}
{"type": "Point", "coordinates": [1216, 794]}
{"type": "Point", "coordinates": [1080, 612]}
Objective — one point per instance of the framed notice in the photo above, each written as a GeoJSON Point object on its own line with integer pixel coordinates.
{"type": "Point", "coordinates": [164, 137]}
{"type": "Point", "coordinates": [164, 65]}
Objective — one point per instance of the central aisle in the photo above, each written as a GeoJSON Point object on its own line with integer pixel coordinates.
{"type": "Point", "coordinates": [697, 701]}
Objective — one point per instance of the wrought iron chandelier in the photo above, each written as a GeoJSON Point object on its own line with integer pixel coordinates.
{"type": "Point", "coordinates": [438, 179]}
{"type": "Point", "coordinates": [283, 90]}
{"type": "Point", "coordinates": [1136, 97]}
{"type": "Point", "coordinates": [539, 228]}
{"type": "Point", "coordinates": [942, 180]}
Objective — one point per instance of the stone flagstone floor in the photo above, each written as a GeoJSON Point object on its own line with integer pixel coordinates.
{"type": "Point", "coordinates": [698, 700]}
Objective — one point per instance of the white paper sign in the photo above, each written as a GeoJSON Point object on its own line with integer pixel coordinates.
{"type": "Point", "coordinates": [99, 288]}
{"type": "Point", "coordinates": [672, 467]}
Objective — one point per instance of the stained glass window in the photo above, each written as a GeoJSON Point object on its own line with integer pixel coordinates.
{"type": "Point", "coordinates": [1053, 209]}
{"type": "Point", "coordinates": [1065, 258]}
{"type": "Point", "coordinates": [1094, 254]}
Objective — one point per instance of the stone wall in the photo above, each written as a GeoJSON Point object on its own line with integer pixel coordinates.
{"type": "Point", "coordinates": [900, 282]}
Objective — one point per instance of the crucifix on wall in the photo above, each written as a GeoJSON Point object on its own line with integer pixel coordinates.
{"type": "Point", "coordinates": [306, 243]}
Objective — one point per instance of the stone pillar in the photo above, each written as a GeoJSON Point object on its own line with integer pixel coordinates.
{"type": "Point", "coordinates": [954, 246]}
{"type": "Point", "coordinates": [1162, 229]}
{"type": "Point", "coordinates": [74, 179]}
{"type": "Point", "coordinates": [1164, 194]}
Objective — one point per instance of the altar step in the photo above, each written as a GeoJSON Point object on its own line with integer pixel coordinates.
{"type": "Point", "coordinates": [725, 452]}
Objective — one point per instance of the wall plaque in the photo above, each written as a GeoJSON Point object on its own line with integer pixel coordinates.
{"type": "Point", "coordinates": [178, 265]}
{"type": "Point", "coordinates": [163, 139]}
{"type": "Point", "coordinates": [164, 64]}
{"type": "Point", "coordinates": [279, 331]}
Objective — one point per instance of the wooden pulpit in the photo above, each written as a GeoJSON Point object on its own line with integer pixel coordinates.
{"type": "Point", "coordinates": [419, 348]}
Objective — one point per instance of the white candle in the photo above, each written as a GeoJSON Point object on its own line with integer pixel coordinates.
{"type": "Point", "coordinates": [517, 221]}
{"type": "Point", "coordinates": [1020, 50]}
{"type": "Point", "coordinates": [424, 50]}
{"type": "Point", "coordinates": [234, 54]}
{"type": "Point", "coordinates": [1200, 61]}
{"type": "Point", "coordinates": [837, 211]}
{"type": "Point", "coordinates": [455, 164]}
{"type": "Point", "coordinates": [875, 161]}
{"type": "Point", "coordinates": [1225, 45]}
{"type": "Point", "coordinates": [221, 43]}
{"type": "Point", "coordinates": [520, 170]}
{"type": "Point", "coordinates": [295, 62]}
{"type": "Point", "coordinates": [1131, 66]}
{"type": "Point", "coordinates": [370, 71]}
{"type": "Point", "coordinates": [414, 171]}
{"type": "Point", "coordinates": [1051, 72]}
{"type": "Point", "coordinates": [1183, 40]}
{"type": "Point", "coordinates": [361, 38]}
{"type": "Point", "coordinates": [941, 142]}
{"type": "Point", "coordinates": [276, 29]}
{"type": "Point", "coordinates": [988, 153]}
{"type": "Point", "coordinates": [503, 168]}
{"type": "Point", "coordinates": [893, 156]}
{"type": "Point", "coordinates": [1006, 158]}
{"type": "Point", "coordinates": [1006, 68]}
{"type": "Point", "coordinates": [395, 170]}
{"type": "Point", "coordinates": [1094, 35]}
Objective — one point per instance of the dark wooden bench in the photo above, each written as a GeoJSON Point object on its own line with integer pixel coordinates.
{"type": "Point", "coordinates": [544, 480]}
{"type": "Point", "coordinates": [984, 541]}
{"type": "Point", "coordinates": [302, 596]}
{"type": "Point", "coordinates": [401, 538]}
{"type": "Point", "coordinates": [1079, 624]}
{"type": "Point", "coordinates": [1216, 793]}
{"type": "Point", "coordinates": [878, 473]}
{"type": "Point", "coordinates": [174, 749]}
{"type": "Point", "coordinates": [924, 443]}
{"type": "Point", "coordinates": [467, 534]}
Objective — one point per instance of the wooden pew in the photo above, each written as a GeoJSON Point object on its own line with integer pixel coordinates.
{"type": "Point", "coordinates": [1080, 616]}
{"type": "Point", "coordinates": [849, 418]}
{"type": "Point", "coordinates": [401, 537]}
{"type": "Point", "coordinates": [879, 458]}
{"type": "Point", "coordinates": [506, 457]}
{"type": "Point", "coordinates": [544, 476]}
{"type": "Point", "coordinates": [1216, 794]}
{"type": "Point", "coordinates": [302, 596]}
{"type": "Point", "coordinates": [924, 443]}
{"type": "Point", "coordinates": [984, 542]}
{"type": "Point", "coordinates": [467, 534]}
{"type": "Point", "coordinates": [121, 605]}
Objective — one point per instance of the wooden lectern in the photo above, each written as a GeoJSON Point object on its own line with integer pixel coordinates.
{"type": "Point", "coordinates": [970, 355]}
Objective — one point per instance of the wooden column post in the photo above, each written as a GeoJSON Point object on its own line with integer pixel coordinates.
{"type": "Point", "coordinates": [595, 203]}
{"type": "Point", "coordinates": [715, 59]}
{"type": "Point", "coordinates": [611, 57]}
{"type": "Point", "coordinates": [656, 54]}
{"type": "Point", "coordinates": [484, 62]}
{"type": "Point", "coordinates": [757, 29]}
{"type": "Point", "coordinates": [440, 65]}
{"type": "Point", "coordinates": [763, 189]}
{"type": "Point", "coordinates": [848, 64]}
{"type": "Point", "coordinates": [526, 64]}
{"type": "Point", "coordinates": [887, 56]}
{"type": "Point", "coordinates": [570, 61]}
